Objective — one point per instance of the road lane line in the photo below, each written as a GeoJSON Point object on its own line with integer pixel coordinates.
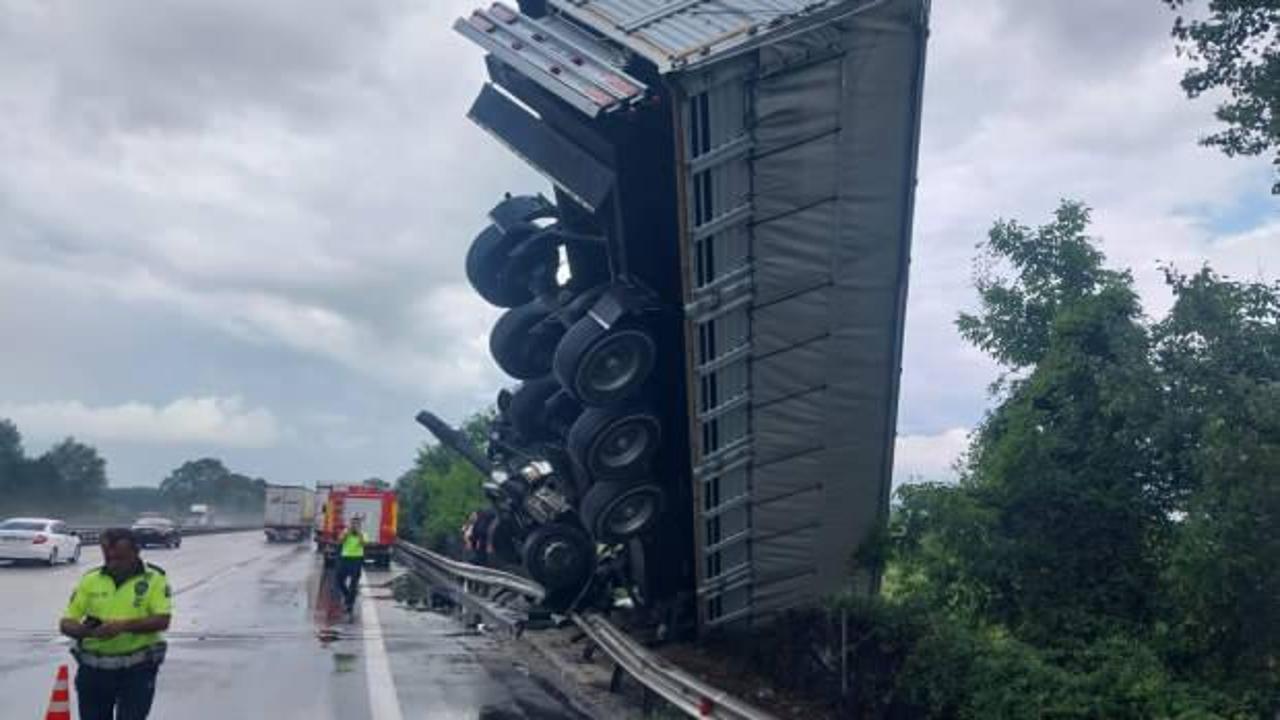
{"type": "Point", "coordinates": [226, 570]}
{"type": "Point", "coordinates": [384, 703]}
{"type": "Point", "coordinates": [215, 575]}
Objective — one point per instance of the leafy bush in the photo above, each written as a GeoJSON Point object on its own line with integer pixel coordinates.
{"type": "Point", "coordinates": [1112, 547]}
{"type": "Point", "coordinates": [907, 661]}
{"type": "Point", "coordinates": [441, 490]}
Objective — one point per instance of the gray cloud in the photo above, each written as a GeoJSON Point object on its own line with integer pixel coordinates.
{"type": "Point", "coordinates": [224, 422]}
{"type": "Point", "coordinates": [272, 202]}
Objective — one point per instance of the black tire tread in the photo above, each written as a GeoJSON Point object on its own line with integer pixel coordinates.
{"type": "Point", "coordinates": [520, 352]}
{"type": "Point", "coordinates": [487, 264]}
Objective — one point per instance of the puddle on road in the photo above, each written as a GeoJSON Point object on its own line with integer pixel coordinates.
{"type": "Point", "coordinates": [322, 597]}
{"type": "Point", "coordinates": [336, 635]}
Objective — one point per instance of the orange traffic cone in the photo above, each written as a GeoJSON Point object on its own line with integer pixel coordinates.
{"type": "Point", "coordinates": [60, 698]}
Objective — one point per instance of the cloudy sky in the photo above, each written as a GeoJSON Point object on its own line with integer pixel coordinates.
{"type": "Point", "coordinates": [237, 228]}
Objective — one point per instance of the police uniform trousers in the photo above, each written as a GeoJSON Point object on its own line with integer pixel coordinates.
{"type": "Point", "coordinates": [124, 694]}
{"type": "Point", "coordinates": [347, 577]}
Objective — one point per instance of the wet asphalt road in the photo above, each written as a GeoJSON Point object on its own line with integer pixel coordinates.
{"type": "Point", "coordinates": [256, 635]}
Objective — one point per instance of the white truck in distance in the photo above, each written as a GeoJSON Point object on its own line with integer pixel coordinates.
{"type": "Point", "coordinates": [288, 513]}
{"type": "Point", "coordinates": [200, 515]}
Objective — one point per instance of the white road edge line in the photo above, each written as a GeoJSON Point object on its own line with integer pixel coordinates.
{"type": "Point", "coordinates": [384, 702]}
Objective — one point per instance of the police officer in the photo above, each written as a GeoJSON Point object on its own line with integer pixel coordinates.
{"type": "Point", "coordinates": [116, 615]}
{"type": "Point", "coordinates": [480, 536]}
{"type": "Point", "coordinates": [351, 562]}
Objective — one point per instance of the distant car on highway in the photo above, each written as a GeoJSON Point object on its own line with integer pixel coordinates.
{"type": "Point", "coordinates": [157, 531]}
{"type": "Point", "coordinates": [42, 540]}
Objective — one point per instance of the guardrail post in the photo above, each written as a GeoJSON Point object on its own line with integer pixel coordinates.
{"type": "Point", "coordinates": [844, 652]}
{"type": "Point", "coordinates": [615, 680]}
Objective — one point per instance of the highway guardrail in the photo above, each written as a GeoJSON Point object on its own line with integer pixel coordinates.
{"type": "Point", "coordinates": [482, 586]}
{"type": "Point", "coordinates": [482, 591]}
{"type": "Point", "coordinates": [476, 574]}
{"type": "Point", "coordinates": [89, 534]}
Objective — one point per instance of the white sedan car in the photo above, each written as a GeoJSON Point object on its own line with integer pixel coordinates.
{"type": "Point", "coordinates": [39, 539]}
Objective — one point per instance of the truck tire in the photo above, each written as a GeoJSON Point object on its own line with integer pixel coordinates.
{"type": "Point", "coordinates": [528, 411]}
{"type": "Point", "coordinates": [559, 556]}
{"type": "Point", "coordinates": [602, 366]}
{"type": "Point", "coordinates": [523, 341]}
{"type": "Point", "coordinates": [618, 511]}
{"type": "Point", "coordinates": [491, 269]}
{"type": "Point", "coordinates": [615, 444]}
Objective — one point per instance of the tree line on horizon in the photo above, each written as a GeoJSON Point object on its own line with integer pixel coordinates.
{"type": "Point", "coordinates": [70, 481]}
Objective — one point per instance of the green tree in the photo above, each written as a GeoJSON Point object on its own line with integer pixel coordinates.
{"type": "Point", "coordinates": [190, 482]}
{"type": "Point", "coordinates": [1112, 547]}
{"type": "Point", "coordinates": [37, 488]}
{"type": "Point", "coordinates": [81, 471]}
{"type": "Point", "coordinates": [1236, 48]}
{"type": "Point", "coordinates": [1048, 530]}
{"type": "Point", "coordinates": [207, 480]}
{"type": "Point", "coordinates": [12, 458]}
{"type": "Point", "coordinates": [67, 479]}
{"type": "Point", "coordinates": [452, 496]}
{"type": "Point", "coordinates": [1024, 277]}
{"type": "Point", "coordinates": [441, 489]}
{"type": "Point", "coordinates": [11, 452]}
{"type": "Point", "coordinates": [1219, 351]}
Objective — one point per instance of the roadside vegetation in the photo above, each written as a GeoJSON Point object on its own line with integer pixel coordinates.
{"type": "Point", "coordinates": [440, 490]}
{"type": "Point", "coordinates": [61, 479]}
{"type": "Point", "coordinates": [1111, 548]}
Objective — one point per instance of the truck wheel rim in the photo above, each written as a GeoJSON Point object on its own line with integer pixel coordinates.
{"type": "Point", "coordinates": [631, 513]}
{"type": "Point", "coordinates": [616, 362]}
{"type": "Point", "coordinates": [623, 444]}
{"type": "Point", "coordinates": [560, 558]}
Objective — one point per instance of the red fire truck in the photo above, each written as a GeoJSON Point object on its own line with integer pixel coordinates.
{"type": "Point", "coordinates": [377, 508]}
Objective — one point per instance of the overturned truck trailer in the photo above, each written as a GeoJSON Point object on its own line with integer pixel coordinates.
{"type": "Point", "coordinates": [711, 307]}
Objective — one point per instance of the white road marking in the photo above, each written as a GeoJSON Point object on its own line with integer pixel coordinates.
{"type": "Point", "coordinates": [384, 703]}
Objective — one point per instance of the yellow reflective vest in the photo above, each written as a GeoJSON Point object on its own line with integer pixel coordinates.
{"type": "Point", "coordinates": [143, 594]}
